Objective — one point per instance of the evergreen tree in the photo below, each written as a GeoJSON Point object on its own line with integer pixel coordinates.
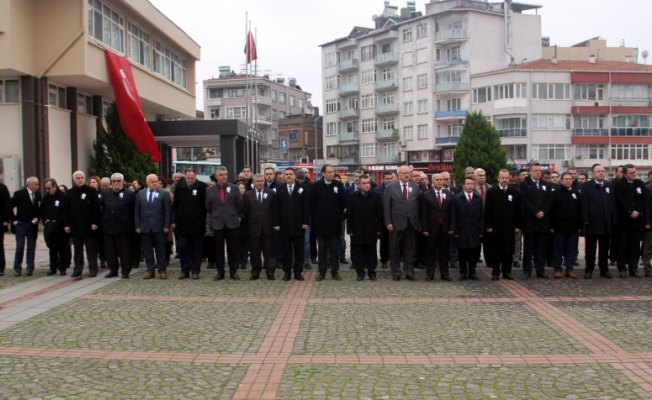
{"type": "Point", "coordinates": [479, 147]}
{"type": "Point", "coordinates": [114, 152]}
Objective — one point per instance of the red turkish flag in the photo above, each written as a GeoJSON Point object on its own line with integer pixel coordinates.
{"type": "Point", "coordinates": [130, 111]}
{"type": "Point", "coordinates": [250, 48]}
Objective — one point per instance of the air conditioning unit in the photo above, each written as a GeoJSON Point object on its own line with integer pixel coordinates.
{"type": "Point", "coordinates": [566, 163]}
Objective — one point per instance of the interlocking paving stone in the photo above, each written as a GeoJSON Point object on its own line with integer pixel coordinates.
{"type": "Point", "coordinates": [205, 286]}
{"type": "Point", "coordinates": [385, 287]}
{"type": "Point", "coordinates": [457, 382]}
{"type": "Point", "coordinates": [628, 324]}
{"type": "Point", "coordinates": [147, 326]}
{"type": "Point", "coordinates": [429, 329]}
{"type": "Point", "coordinates": [10, 280]}
{"type": "Point", "coordinates": [57, 378]}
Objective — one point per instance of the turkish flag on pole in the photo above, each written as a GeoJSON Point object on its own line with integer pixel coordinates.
{"type": "Point", "coordinates": [250, 48]}
{"type": "Point", "coordinates": [130, 110]}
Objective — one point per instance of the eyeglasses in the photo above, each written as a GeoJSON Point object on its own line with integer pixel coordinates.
{"type": "Point", "coordinates": [117, 180]}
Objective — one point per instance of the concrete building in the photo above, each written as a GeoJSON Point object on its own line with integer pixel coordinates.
{"type": "Point", "coordinates": [301, 137]}
{"type": "Point", "coordinates": [54, 84]}
{"type": "Point", "coordinates": [596, 47]}
{"type": "Point", "coordinates": [258, 101]}
{"type": "Point", "coordinates": [570, 113]}
{"type": "Point", "coordinates": [400, 91]}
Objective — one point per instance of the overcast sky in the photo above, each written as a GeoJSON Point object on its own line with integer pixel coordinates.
{"type": "Point", "coordinates": [289, 32]}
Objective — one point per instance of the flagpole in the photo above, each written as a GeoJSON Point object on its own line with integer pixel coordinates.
{"type": "Point", "coordinates": [253, 145]}
{"type": "Point", "coordinates": [247, 95]}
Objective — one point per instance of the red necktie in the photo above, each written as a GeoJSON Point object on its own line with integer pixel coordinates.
{"type": "Point", "coordinates": [470, 198]}
{"type": "Point", "coordinates": [405, 192]}
{"type": "Point", "coordinates": [439, 199]}
{"type": "Point", "coordinates": [222, 196]}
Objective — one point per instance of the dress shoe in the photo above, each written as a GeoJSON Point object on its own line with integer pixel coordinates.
{"type": "Point", "coordinates": [194, 276]}
{"type": "Point", "coordinates": [622, 274]}
{"type": "Point", "coordinates": [125, 276]}
{"type": "Point", "coordinates": [307, 266]}
{"type": "Point", "coordinates": [473, 277]}
{"type": "Point", "coordinates": [219, 276]}
{"type": "Point", "coordinates": [462, 278]}
{"type": "Point", "coordinates": [430, 278]}
{"type": "Point", "coordinates": [648, 274]}
{"type": "Point", "coordinates": [527, 275]}
{"type": "Point", "coordinates": [63, 273]}
{"type": "Point", "coordinates": [516, 264]}
{"type": "Point", "coordinates": [508, 277]}
{"type": "Point", "coordinates": [343, 261]}
{"type": "Point", "coordinates": [320, 277]}
{"type": "Point", "coordinates": [92, 274]}
{"type": "Point", "coordinates": [588, 275]}
{"type": "Point", "coordinates": [383, 265]}
{"type": "Point", "coordinates": [337, 276]}
{"type": "Point", "coordinates": [373, 278]}
{"type": "Point", "coordinates": [163, 275]}
{"type": "Point", "coordinates": [542, 275]}
{"type": "Point", "coordinates": [396, 278]}
{"type": "Point", "coordinates": [557, 275]}
{"type": "Point", "coordinates": [634, 274]}
{"type": "Point", "coordinates": [495, 277]}
{"type": "Point", "coordinates": [270, 276]}
{"type": "Point", "coordinates": [446, 278]}
{"type": "Point", "coordinates": [409, 277]}
{"type": "Point", "coordinates": [184, 275]}
{"type": "Point", "coordinates": [299, 277]}
{"type": "Point", "coordinates": [234, 275]}
{"type": "Point", "coordinates": [454, 266]}
{"type": "Point", "coordinates": [2, 273]}
{"type": "Point", "coordinates": [571, 275]}
{"type": "Point", "coordinates": [111, 275]}
{"type": "Point", "coordinates": [211, 265]}
{"type": "Point", "coordinates": [50, 273]}
{"type": "Point", "coordinates": [287, 276]}
{"type": "Point", "coordinates": [18, 273]}
{"type": "Point", "coordinates": [254, 277]}
{"type": "Point", "coordinates": [313, 260]}
{"type": "Point", "coordinates": [606, 275]}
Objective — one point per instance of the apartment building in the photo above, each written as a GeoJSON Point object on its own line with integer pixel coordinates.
{"type": "Point", "coordinates": [571, 113]}
{"type": "Point", "coordinates": [596, 47]}
{"type": "Point", "coordinates": [54, 85]}
{"type": "Point", "coordinates": [259, 101]}
{"type": "Point", "coordinates": [400, 91]}
{"type": "Point", "coordinates": [301, 137]}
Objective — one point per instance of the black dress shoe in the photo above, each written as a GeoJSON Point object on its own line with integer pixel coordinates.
{"type": "Point", "coordinates": [509, 277]}
{"type": "Point", "coordinates": [2, 273]}
{"type": "Point", "coordinates": [634, 274]}
{"type": "Point", "coordinates": [62, 273]}
{"type": "Point", "coordinates": [446, 278]}
{"type": "Point", "coordinates": [495, 277]}
{"type": "Point", "coordinates": [92, 274]}
{"type": "Point", "coordinates": [409, 277]}
{"type": "Point", "coordinates": [343, 261]}
{"type": "Point", "coordinates": [111, 275]}
{"type": "Point", "coordinates": [125, 276]}
{"type": "Point", "coordinates": [299, 277]}
{"type": "Point", "coordinates": [648, 274]}
{"type": "Point", "coordinates": [30, 271]}
{"type": "Point", "coordinates": [184, 275]}
{"type": "Point", "coordinates": [50, 273]}
{"type": "Point", "coordinates": [219, 276]}
{"type": "Point", "coordinates": [254, 277]}
{"type": "Point", "coordinates": [461, 278]}
{"type": "Point", "coordinates": [473, 277]}
{"type": "Point", "coordinates": [18, 273]}
{"type": "Point", "coordinates": [373, 278]}
{"type": "Point", "coordinates": [527, 276]}
{"type": "Point", "coordinates": [430, 278]}
{"type": "Point", "coordinates": [396, 278]}
{"type": "Point", "coordinates": [337, 277]}
{"type": "Point", "coordinates": [606, 275]}
{"type": "Point", "coordinates": [194, 276]}
{"type": "Point", "coordinates": [270, 276]}
{"type": "Point", "coordinates": [542, 275]}
{"type": "Point", "coordinates": [287, 276]}
{"type": "Point", "coordinates": [359, 278]}
{"type": "Point", "coordinates": [234, 275]}
{"type": "Point", "coordinates": [588, 275]}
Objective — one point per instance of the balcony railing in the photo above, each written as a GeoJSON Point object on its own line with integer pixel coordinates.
{"type": "Point", "coordinates": [631, 131]}
{"type": "Point", "coordinates": [512, 132]}
{"type": "Point", "coordinates": [350, 113]}
{"type": "Point", "coordinates": [447, 140]}
{"type": "Point", "coordinates": [631, 101]}
{"type": "Point", "coordinates": [388, 36]}
{"type": "Point", "coordinates": [451, 114]}
{"type": "Point", "coordinates": [387, 109]}
{"type": "Point", "coordinates": [387, 134]}
{"type": "Point", "coordinates": [452, 87]}
{"type": "Point", "coordinates": [265, 120]}
{"type": "Point", "coordinates": [387, 158]}
{"type": "Point", "coordinates": [386, 59]}
{"type": "Point", "coordinates": [451, 35]}
{"type": "Point", "coordinates": [262, 100]}
{"type": "Point", "coordinates": [450, 63]}
{"type": "Point", "coordinates": [349, 160]}
{"type": "Point", "coordinates": [590, 132]}
{"type": "Point", "coordinates": [347, 65]}
{"type": "Point", "coordinates": [349, 136]}
{"type": "Point", "coordinates": [349, 88]}
{"type": "Point", "coordinates": [386, 84]}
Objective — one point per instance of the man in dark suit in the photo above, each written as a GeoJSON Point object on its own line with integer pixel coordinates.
{"type": "Point", "coordinates": [630, 205]}
{"type": "Point", "coordinates": [435, 216]}
{"type": "Point", "coordinates": [502, 221]}
{"type": "Point", "coordinates": [599, 216]}
{"type": "Point", "coordinates": [536, 197]}
{"type": "Point", "coordinates": [152, 221]}
{"type": "Point", "coordinates": [81, 221]}
{"type": "Point", "coordinates": [364, 221]}
{"type": "Point", "coordinates": [388, 179]}
{"type": "Point", "coordinates": [401, 212]}
{"type": "Point", "coordinates": [269, 178]}
{"type": "Point", "coordinates": [566, 225]}
{"type": "Point", "coordinates": [327, 205]}
{"type": "Point", "coordinates": [291, 219]}
{"type": "Point", "coordinates": [4, 219]}
{"type": "Point", "coordinates": [224, 206]}
{"type": "Point", "coordinates": [57, 240]}
{"type": "Point", "coordinates": [118, 222]}
{"type": "Point", "coordinates": [467, 220]}
{"type": "Point", "coordinates": [27, 202]}
{"type": "Point", "coordinates": [258, 212]}
{"type": "Point", "coordinates": [189, 222]}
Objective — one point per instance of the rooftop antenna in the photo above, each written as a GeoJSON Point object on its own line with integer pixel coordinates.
{"type": "Point", "coordinates": [644, 54]}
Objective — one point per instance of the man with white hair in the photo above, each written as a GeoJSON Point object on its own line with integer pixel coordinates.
{"type": "Point", "coordinates": [27, 202]}
{"type": "Point", "coordinates": [118, 223]}
{"type": "Point", "coordinates": [82, 218]}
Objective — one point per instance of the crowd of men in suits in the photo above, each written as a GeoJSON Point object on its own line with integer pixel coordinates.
{"type": "Point", "coordinates": [281, 219]}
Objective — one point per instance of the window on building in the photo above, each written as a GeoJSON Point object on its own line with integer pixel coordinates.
{"type": "Point", "coordinates": [388, 74]}
{"type": "Point", "coordinates": [106, 25]}
{"type": "Point", "coordinates": [237, 92]}
{"type": "Point", "coordinates": [422, 106]}
{"type": "Point", "coordinates": [368, 76]}
{"type": "Point", "coordinates": [282, 98]}
{"type": "Point", "coordinates": [214, 93]}
{"type": "Point", "coordinates": [333, 151]}
{"type": "Point", "coordinates": [351, 127]}
{"type": "Point", "coordinates": [407, 34]}
{"type": "Point", "coordinates": [56, 95]}
{"type": "Point", "coordinates": [388, 98]}
{"type": "Point", "coordinates": [333, 128]}
{"type": "Point", "coordinates": [369, 125]}
{"type": "Point", "coordinates": [453, 53]}
{"type": "Point", "coordinates": [631, 94]}
{"type": "Point", "coordinates": [551, 121]}
{"type": "Point", "coordinates": [630, 151]}
{"type": "Point", "coordinates": [422, 81]}
{"type": "Point", "coordinates": [408, 132]}
{"type": "Point", "coordinates": [368, 150]}
{"type": "Point", "coordinates": [389, 149]}
{"type": "Point", "coordinates": [551, 91]}
{"type": "Point", "coordinates": [273, 96]}
{"type": "Point", "coordinates": [352, 103]}
{"type": "Point", "coordinates": [422, 30]}
{"type": "Point", "coordinates": [407, 84]}
{"type": "Point", "coordinates": [368, 101]}
{"type": "Point", "coordinates": [331, 82]}
{"type": "Point", "coordinates": [588, 92]}
{"type": "Point", "coordinates": [510, 91]}
{"type": "Point", "coordinates": [388, 123]}
{"type": "Point", "coordinates": [168, 64]}
{"type": "Point", "coordinates": [214, 112]}
{"type": "Point", "coordinates": [10, 91]}
{"type": "Point", "coordinates": [511, 126]}
{"type": "Point", "coordinates": [516, 151]}
{"type": "Point", "coordinates": [422, 56]}
{"type": "Point", "coordinates": [294, 135]}
{"type": "Point", "coordinates": [408, 108]}
{"type": "Point", "coordinates": [546, 152]}
{"type": "Point", "coordinates": [333, 105]}
{"type": "Point", "coordinates": [139, 46]}
{"type": "Point", "coordinates": [482, 94]}
{"type": "Point", "coordinates": [454, 104]}
{"type": "Point", "coordinates": [331, 58]}
{"type": "Point", "coordinates": [422, 131]}
{"type": "Point", "coordinates": [590, 151]}
{"type": "Point", "coordinates": [84, 104]}
{"type": "Point", "coordinates": [386, 48]}
{"type": "Point", "coordinates": [291, 101]}
{"type": "Point", "coordinates": [407, 59]}
{"type": "Point", "coordinates": [368, 52]}
{"type": "Point", "coordinates": [236, 112]}
{"type": "Point", "coordinates": [274, 115]}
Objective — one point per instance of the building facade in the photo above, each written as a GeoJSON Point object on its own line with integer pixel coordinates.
{"type": "Point", "coordinates": [54, 85]}
{"type": "Point", "coordinates": [258, 101]}
{"type": "Point", "coordinates": [301, 137]}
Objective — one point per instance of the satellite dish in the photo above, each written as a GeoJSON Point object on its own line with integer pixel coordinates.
{"type": "Point", "coordinates": [644, 54]}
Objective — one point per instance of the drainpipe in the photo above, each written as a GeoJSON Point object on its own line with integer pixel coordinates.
{"type": "Point", "coordinates": [506, 8]}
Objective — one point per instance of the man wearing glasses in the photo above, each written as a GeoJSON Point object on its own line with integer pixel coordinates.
{"type": "Point", "coordinates": [117, 220]}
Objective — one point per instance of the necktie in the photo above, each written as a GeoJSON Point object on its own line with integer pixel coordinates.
{"type": "Point", "coordinates": [290, 189]}
{"type": "Point", "coordinates": [439, 199]}
{"type": "Point", "coordinates": [470, 198]}
{"type": "Point", "coordinates": [31, 195]}
{"type": "Point", "coordinates": [405, 192]}
{"type": "Point", "coordinates": [537, 183]}
{"type": "Point", "coordinates": [482, 192]}
{"type": "Point", "coordinates": [260, 197]}
{"type": "Point", "coordinates": [149, 198]}
{"type": "Point", "coordinates": [222, 195]}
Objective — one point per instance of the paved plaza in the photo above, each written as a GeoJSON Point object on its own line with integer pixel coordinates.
{"type": "Point", "coordinates": [133, 339]}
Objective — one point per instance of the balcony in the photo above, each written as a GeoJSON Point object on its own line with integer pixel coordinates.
{"type": "Point", "coordinates": [387, 158]}
{"type": "Point", "coordinates": [263, 120]}
{"type": "Point", "coordinates": [631, 101]}
{"type": "Point", "coordinates": [347, 44]}
{"type": "Point", "coordinates": [214, 101]}
{"type": "Point", "coordinates": [348, 89]}
{"type": "Point", "coordinates": [450, 63]}
{"type": "Point", "coordinates": [386, 37]}
{"type": "Point", "coordinates": [386, 59]}
{"type": "Point", "coordinates": [451, 36]}
{"type": "Point", "coordinates": [590, 132]}
{"type": "Point", "coordinates": [631, 131]}
{"type": "Point", "coordinates": [387, 135]}
{"type": "Point", "coordinates": [452, 87]}
{"type": "Point", "coordinates": [351, 113]}
{"type": "Point", "coordinates": [386, 85]}
{"type": "Point", "coordinates": [512, 132]}
{"type": "Point", "coordinates": [447, 140]}
{"type": "Point", "coordinates": [349, 160]}
{"type": "Point", "coordinates": [386, 109]}
{"type": "Point", "coordinates": [349, 136]}
{"type": "Point", "coordinates": [448, 115]}
{"type": "Point", "coordinates": [262, 100]}
{"type": "Point", "coordinates": [347, 65]}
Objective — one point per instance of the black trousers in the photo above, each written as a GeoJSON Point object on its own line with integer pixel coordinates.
{"type": "Point", "coordinates": [313, 245]}
{"type": "Point", "coordinates": [468, 260]}
{"type": "Point", "coordinates": [3, 260]}
{"type": "Point", "coordinates": [402, 243]}
{"type": "Point", "coordinates": [261, 244]}
{"type": "Point", "coordinates": [230, 236]}
{"type": "Point", "coordinates": [600, 243]}
{"type": "Point", "coordinates": [365, 257]}
{"type": "Point", "coordinates": [90, 243]}
{"type": "Point", "coordinates": [437, 249]}
{"type": "Point", "coordinates": [116, 251]}
{"type": "Point", "coordinates": [629, 249]}
{"type": "Point", "coordinates": [154, 242]}
{"type": "Point", "coordinates": [534, 246]}
{"type": "Point", "coordinates": [135, 251]}
{"type": "Point", "coordinates": [293, 250]}
{"type": "Point", "coordinates": [384, 245]}
{"type": "Point", "coordinates": [190, 249]}
{"type": "Point", "coordinates": [329, 247]}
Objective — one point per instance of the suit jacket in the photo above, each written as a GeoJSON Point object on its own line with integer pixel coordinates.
{"type": "Point", "coordinates": [399, 212]}
{"type": "Point", "coordinates": [228, 214]}
{"type": "Point", "coordinates": [118, 211]}
{"type": "Point", "coordinates": [155, 216]}
{"type": "Point", "coordinates": [259, 216]}
{"type": "Point", "coordinates": [327, 204]}
{"type": "Point", "coordinates": [433, 217]}
{"type": "Point", "coordinates": [189, 208]}
{"type": "Point", "coordinates": [598, 208]}
{"type": "Point", "coordinates": [25, 210]}
{"type": "Point", "coordinates": [82, 210]}
{"type": "Point", "coordinates": [364, 217]}
{"type": "Point", "coordinates": [533, 201]}
{"type": "Point", "coordinates": [566, 213]}
{"type": "Point", "coordinates": [468, 220]}
{"type": "Point", "coordinates": [290, 212]}
{"type": "Point", "coordinates": [630, 197]}
{"type": "Point", "coordinates": [503, 214]}
{"type": "Point", "coordinates": [4, 203]}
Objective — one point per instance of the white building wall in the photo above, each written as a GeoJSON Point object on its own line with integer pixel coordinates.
{"type": "Point", "coordinates": [59, 144]}
{"type": "Point", "coordinates": [85, 137]}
